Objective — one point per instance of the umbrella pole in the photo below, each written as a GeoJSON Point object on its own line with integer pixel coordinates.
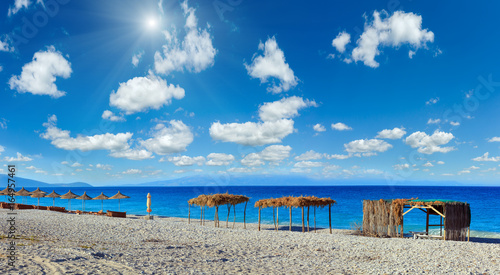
{"type": "Point", "coordinates": [234, 214]}
{"type": "Point", "coordinates": [102, 205]}
{"type": "Point", "coordinates": [189, 214]}
{"type": "Point", "coordinates": [53, 201]}
{"type": "Point", "coordinates": [277, 218]}
{"type": "Point", "coordinates": [118, 204]}
{"type": "Point", "coordinates": [245, 216]}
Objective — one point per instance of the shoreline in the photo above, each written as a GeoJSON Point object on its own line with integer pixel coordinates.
{"type": "Point", "coordinates": [59, 243]}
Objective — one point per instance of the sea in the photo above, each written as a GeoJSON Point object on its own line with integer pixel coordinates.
{"type": "Point", "coordinates": [346, 214]}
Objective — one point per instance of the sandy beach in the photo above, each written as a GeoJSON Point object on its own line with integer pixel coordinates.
{"type": "Point", "coordinates": [59, 243]}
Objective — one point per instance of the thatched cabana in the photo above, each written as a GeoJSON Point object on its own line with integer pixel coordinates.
{"type": "Point", "coordinates": [301, 202]}
{"type": "Point", "coordinates": [217, 200]}
{"type": "Point", "coordinates": [386, 217]}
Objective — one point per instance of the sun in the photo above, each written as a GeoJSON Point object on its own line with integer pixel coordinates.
{"type": "Point", "coordinates": [151, 23]}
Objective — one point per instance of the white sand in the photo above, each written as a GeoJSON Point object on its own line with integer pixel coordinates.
{"type": "Point", "coordinates": [58, 243]}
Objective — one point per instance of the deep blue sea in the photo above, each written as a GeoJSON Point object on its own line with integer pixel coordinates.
{"type": "Point", "coordinates": [172, 201]}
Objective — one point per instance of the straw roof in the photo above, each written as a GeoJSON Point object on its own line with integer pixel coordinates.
{"type": "Point", "coordinates": [69, 195]}
{"type": "Point", "coordinates": [53, 194]}
{"type": "Point", "coordinates": [23, 193]}
{"type": "Point", "coordinates": [38, 191]}
{"type": "Point", "coordinates": [6, 191]}
{"type": "Point", "coordinates": [119, 196]}
{"type": "Point", "coordinates": [218, 199]}
{"type": "Point", "coordinates": [38, 195]}
{"type": "Point", "coordinates": [101, 197]}
{"type": "Point", "coordinates": [291, 201]}
{"type": "Point", "coordinates": [84, 197]}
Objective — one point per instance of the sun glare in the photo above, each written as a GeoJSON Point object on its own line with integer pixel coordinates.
{"type": "Point", "coordinates": [151, 23]}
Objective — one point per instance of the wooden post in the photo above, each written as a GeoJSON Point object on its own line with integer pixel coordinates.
{"type": "Point", "coordinates": [427, 222]}
{"type": "Point", "coordinates": [315, 219]}
{"type": "Point", "coordinates": [218, 221]}
{"type": "Point", "coordinates": [330, 216]}
{"type": "Point", "coordinates": [245, 216]}
{"type": "Point", "coordinates": [274, 218]}
{"type": "Point", "coordinates": [290, 218]}
{"type": "Point", "coordinates": [468, 234]}
{"type": "Point", "coordinates": [302, 219]}
{"type": "Point", "coordinates": [228, 211]}
{"type": "Point", "coordinates": [277, 219]}
{"type": "Point", "coordinates": [234, 213]}
{"type": "Point", "coordinates": [201, 215]}
{"type": "Point", "coordinates": [215, 217]}
{"type": "Point", "coordinates": [189, 214]}
{"type": "Point", "coordinates": [402, 229]}
{"type": "Point", "coordinates": [259, 218]}
{"type": "Point", "coordinates": [441, 226]}
{"type": "Point", "coordinates": [308, 218]}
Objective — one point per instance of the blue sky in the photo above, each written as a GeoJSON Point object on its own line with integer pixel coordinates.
{"type": "Point", "coordinates": [136, 91]}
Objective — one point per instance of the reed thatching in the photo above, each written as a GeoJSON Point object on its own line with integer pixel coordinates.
{"type": "Point", "coordinates": [384, 218]}
{"type": "Point", "coordinates": [217, 200]}
{"type": "Point", "coordinates": [294, 202]}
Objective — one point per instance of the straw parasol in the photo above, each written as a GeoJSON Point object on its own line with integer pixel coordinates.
{"type": "Point", "coordinates": [23, 193]}
{"type": "Point", "coordinates": [119, 196]}
{"type": "Point", "coordinates": [6, 192]}
{"type": "Point", "coordinates": [101, 197]}
{"type": "Point", "coordinates": [68, 196]}
{"type": "Point", "coordinates": [38, 195]}
{"type": "Point", "coordinates": [38, 191]}
{"type": "Point", "coordinates": [53, 195]}
{"type": "Point", "coordinates": [148, 204]}
{"type": "Point", "coordinates": [84, 198]}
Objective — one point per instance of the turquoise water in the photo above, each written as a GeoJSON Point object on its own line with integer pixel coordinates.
{"type": "Point", "coordinates": [172, 201]}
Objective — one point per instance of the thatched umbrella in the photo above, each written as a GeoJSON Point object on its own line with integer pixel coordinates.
{"type": "Point", "coordinates": [6, 192]}
{"type": "Point", "coordinates": [119, 196]}
{"type": "Point", "coordinates": [53, 195]}
{"type": "Point", "coordinates": [38, 191]}
{"type": "Point", "coordinates": [68, 196]}
{"type": "Point", "coordinates": [101, 197]}
{"type": "Point", "coordinates": [23, 193]}
{"type": "Point", "coordinates": [84, 198]}
{"type": "Point", "coordinates": [38, 195]}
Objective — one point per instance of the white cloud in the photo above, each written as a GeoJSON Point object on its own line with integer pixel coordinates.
{"type": "Point", "coordinates": [463, 172]}
{"type": "Point", "coordinates": [132, 154]}
{"type": "Point", "coordinates": [5, 46]}
{"type": "Point", "coordinates": [240, 170]}
{"type": "Point", "coordinates": [486, 157]}
{"type": "Point", "coordinates": [273, 154]}
{"type": "Point", "coordinates": [62, 140]}
{"type": "Point", "coordinates": [473, 168]}
{"type": "Point", "coordinates": [433, 121]}
{"type": "Point", "coordinates": [219, 159]}
{"type": "Point", "coordinates": [308, 164]}
{"type": "Point", "coordinates": [107, 114]}
{"type": "Point", "coordinates": [76, 164]}
{"type": "Point", "coordinates": [18, 5]}
{"type": "Point", "coordinates": [430, 144]}
{"type": "Point", "coordinates": [494, 139]}
{"type": "Point", "coordinates": [195, 53]}
{"type": "Point", "coordinates": [330, 168]}
{"type": "Point", "coordinates": [142, 93]}
{"type": "Point", "coordinates": [339, 126]}
{"type": "Point", "coordinates": [284, 108]}
{"type": "Point", "coordinates": [272, 65]}
{"type": "Point", "coordinates": [440, 162]}
{"type": "Point", "coordinates": [367, 146]}
{"type": "Point", "coordinates": [309, 155]}
{"type": "Point", "coordinates": [401, 166]}
{"type": "Point", "coordinates": [432, 101]}
{"type": "Point", "coordinates": [31, 167]}
{"type": "Point", "coordinates": [137, 58]}
{"type": "Point", "coordinates": [19, 157]}
{"type": "Point", "coordinates": [251, 133]}
{"type": "Point", "coordinates": [395, 133]}
{"type": "Point", "coordinates": [319, 128]}
{"type": "Point", "coordinates": [428, 164]}
{"type": "Point", "coordinates": [454, 123]}
{"type": "Point", "coordinates": [132, 171]}
{"type": "Point", "coordinates": [337, 156]}
{"type": "Point", "coordinates": [186, 160]}
{"type": "Point", "coordinates": [166, 140]}
{"type": "Point", "coordinates": [103, 166]}
{"type": "Point", "coordinates": [391, 31]}
{"type": "Point", "coordinates": [38, 77]}
{"type": "Point", "coordinates": [341, 41]}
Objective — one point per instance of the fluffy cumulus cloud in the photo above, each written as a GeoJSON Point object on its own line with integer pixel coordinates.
{"type": "Point", "coordinates": [308, 164]}
{"type": "Point", "coordinates": [142, 93]}
{"type": "Point", "coordinates": [401, 166]}
{"type": "Point", "coordinates": [195, 53]}
{"type": "Point", "coordinates": [275, 125]}
{"type": "Point", "coordinates": [486, 157]}
{"type": "Point", "coordinates": [273, 154]}
{"type": "Point", "coordinates": [38, 76]}
{"type": "Point", "coordinates": [136, 58]}
{"type": "Point", "coordinates": [339, 126]}
{"type": "Point", "coordinates": [433, 121]}
{"type": "Point", "coordinates": [309, 155]}
{"type": "Point", "coordinates": [319, 128]}
{"type": "Point", "coordinates": [337, 156]}
{"type": "Point", "coordinates": [132, 171]}
{"type": "Point", "coordinates": [399, 29]}
{"type": "Point", "coordinates": [284, 108]}
{"type": "Point", "coordinates": [429, 144]}
{"type": "Point", "coordinates": [18, 157]}
{"type": "Point", "coordinates": [132, 154]}
{"type": "Point", "coordinates": [494, 139]}
{"type": "Point", "coordinates": [167, 140]}
{"type": "Point", "coordinates": [108, 115]}
{"type": "Point", "coordinates": [367, 147]}
{"type": "Point", "coordinates": [186, 160]}
{"type": "Point", "coordinates": [103, 166]}
{"type": "Point", "coordinates": [428, 164]}
{"type": "Point", "coordinates": [20, 4]}
{"type": "Point", "coordinates": [219, 159]}
{"type": "Point", "coordinates": [272, 65]}
{"type": "Point", "coordinates": [5, 45]}
{"type": "Point", "coordinates": [341, 41]}
{"type": "Point", "coordinates": [395, 133]}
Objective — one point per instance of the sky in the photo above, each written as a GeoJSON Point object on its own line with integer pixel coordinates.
{"type": "Point", "coordinates": [122, 92]}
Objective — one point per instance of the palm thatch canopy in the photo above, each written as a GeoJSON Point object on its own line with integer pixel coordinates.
{"type": "Point", "coordinates": [68, 196]}
{"type": "Point", "coordinates": [84, 197]}
{"type": "Point", "coordinates": [38, 191]}
{"type": "Point", "coordinates": [23, 193]}
{"type": "Point", "coordinates": [119, 196]}
{"type": "Point", "coordinates": [101, 197]}
{"type": "Point", "coordinates": [37, 195]}
{"type": "Point", "coordinates": [6, 191]}
{"type": "Point", "coordinates": [217, 200]}
{"type": "Point", "coordinates": [53, 195]}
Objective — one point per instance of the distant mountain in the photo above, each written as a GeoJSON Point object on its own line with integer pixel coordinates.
{"type": "Point", "coordinates": [28, 183]}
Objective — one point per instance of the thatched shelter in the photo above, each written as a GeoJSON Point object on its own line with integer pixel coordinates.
{"type": "Point", "coordinates": [69, 196]}
{"type": "Point", "coordinates": [23, 193]}
{"type": "Point", "coordinates": [84, 198]}
{"type": "Point", "coordinates": [101, 197]}
{"type": "Point", "coordinates": [386, 217]}
{"type": "Point", "coordinates": [301, 202]}
{"type": "Point", "coordinates": [217, 200]}
{"type": "Point", "coordinates": [119, 196]}
{"type": "Point", "coordinates": [53, 195]}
